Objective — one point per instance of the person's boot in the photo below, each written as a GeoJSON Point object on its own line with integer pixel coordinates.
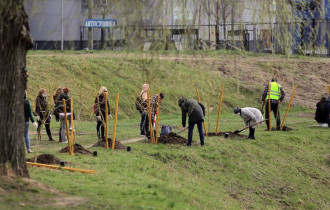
{"type": "Point", "coordinates": [51, 138]}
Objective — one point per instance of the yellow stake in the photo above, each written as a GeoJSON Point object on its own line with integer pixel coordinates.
{"type": "Point", "coordinates": [66, 126]}
{"type": "Point", "coordinates": [199, 100]}
{"type": "Point", "coordinates": [150, 122]}
{"type": "Point", "coordinates": [115, 124]}
{"type": "Point", "coordinates": [287, 110]}
{"type": "Point", "coordinates": [59, 167]}
{"type": "Point", "coordinates": [106, 120]}
{"type": "Point", "coordinates": [269, 109]}
{"type": "Point", "coordinates": [219, 110]}
{"type": "Point", "coordinates": [157, 120]}
{"type": "Point", "coordinates": [72, 135]}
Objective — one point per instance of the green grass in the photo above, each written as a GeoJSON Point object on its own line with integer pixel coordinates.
{"type": "Point", "coordinates": [278, 170]}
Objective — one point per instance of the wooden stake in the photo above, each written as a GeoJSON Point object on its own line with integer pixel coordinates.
{"type": "Point", "coordinates": [269, 109]}
{"type": "Point", "coordinates": [157, 120]}
{"type": "Point", "coordinates": [66, 126]}
{"type": "Point", "coordinates": [72, 133]}
{"type": "Point", "coordinates": [106, 120]}
{"type": "Point", "coordinates": [199, 100]}
{"type": "Point", "coordinates": [149, 115]}
{"type": "Point", "coordinates": [219, 110]}
{"type": "Point", "coordinates": [115, 124]}
{"type": "Point", "coordinates": [329, 89]}
{"type": "Point", "coordinates": [39, 139]}
{"type": "Point", "coordinates": [287, 110]}
{"type": "Point", "coordinates": [59, 167]}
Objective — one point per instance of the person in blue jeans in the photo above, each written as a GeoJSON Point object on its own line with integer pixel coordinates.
{"type": "Point", "coordinates": [28, 116]}
{"type": "Point", "coordinates": [196, 114]}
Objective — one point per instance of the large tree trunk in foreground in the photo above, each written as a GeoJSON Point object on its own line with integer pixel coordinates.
{"type": "Point", "coordinates": [15, 41]}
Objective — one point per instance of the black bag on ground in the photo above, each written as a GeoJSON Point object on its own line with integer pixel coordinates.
{"type": "Point", "coordinates": [166, 129]}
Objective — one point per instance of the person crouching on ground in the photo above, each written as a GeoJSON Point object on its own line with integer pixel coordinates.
{"type": "Point", "coordinates": [42, 113]}
{"type": "Point", "coordinates": [196, 113]}
{"type": "Point", "coordinates": [100, 112]}
{"type": "Point", "coordinates": [251, 117]}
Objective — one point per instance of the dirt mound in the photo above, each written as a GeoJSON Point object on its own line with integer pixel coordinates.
{"type": "Point", "coordinates": [172, 138]}
{"type": "Point", "coordinates": [231, 134]}
{"type": "Point", "coordinates": [46, 159]}
{"type": "Point", "coordinates": [77, 148]}
{"type": "Point", "coordinates": [101, 143]}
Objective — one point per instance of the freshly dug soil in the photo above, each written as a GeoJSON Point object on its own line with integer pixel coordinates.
{"type": "Point", "coordinates": [172, 138]}
{"type": "Point", "coordinates": [231, 134]}
{"type": "Point", "coordinates": [77, 148]}
{"type": "Point", "coordinates": [45, 159]}
{"type": "Point", "coordinates": [101, 143]}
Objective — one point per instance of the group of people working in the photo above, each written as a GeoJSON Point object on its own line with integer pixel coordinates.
{"type": "Point", "coordinates": [252, 117]}
{"type": "Point", "coordinates": [43, 114]}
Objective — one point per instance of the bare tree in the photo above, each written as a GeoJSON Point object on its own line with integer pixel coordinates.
{"type": "Point", "coordinates": [15, 41]}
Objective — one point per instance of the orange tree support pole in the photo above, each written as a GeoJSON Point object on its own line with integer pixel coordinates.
{"type": "Point", "coordinates": [219, 110]}
{"type": "Point", "coordinates": [269, 109]}
{"type": "Point", "coordinates": [287, 110]}
{"type": "Point", "coordinates": [149, 115]}
{"type": "Point", "coordinates": [157, 120]}
{"type": "Point", "coordinates": [66, 126]}
{"type": "Point", "coordinates": [329, 89]}
{"type": "Point", "coordinates": [59, 167]}
{"type": "Point", "coordinates": [72, 135]}
{"type": "Point", "coordinates": [199, 100]}
{"type": "Point", "coordinates": [115, 125]}
{"type": "Point", "coordinates": [106, 120]}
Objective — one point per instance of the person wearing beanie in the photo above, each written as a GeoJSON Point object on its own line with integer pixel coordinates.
{"type": "Point", "coordinates": [251, 117]}
{"type": "Point", "coordinates": [277, 95]}
{"type": "Point", "coordinates": [196, 114]}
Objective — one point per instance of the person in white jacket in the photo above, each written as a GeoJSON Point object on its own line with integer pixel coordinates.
{"type": "Point", "coordinates": [251, 117]}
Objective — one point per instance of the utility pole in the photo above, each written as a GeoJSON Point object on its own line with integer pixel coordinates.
{"type": "Point", "coordinates": [90, 30]}
{"type": "Point", "coordinates": [62, 25]}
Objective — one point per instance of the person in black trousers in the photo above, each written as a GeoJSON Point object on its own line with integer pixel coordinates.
{"type": "Point", "coordinates": [100, 112]}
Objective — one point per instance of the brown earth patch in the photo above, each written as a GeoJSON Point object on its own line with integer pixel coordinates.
{"type": "Point", "coordinates": [101, 143]}
{"type": "Point", "coordinates": [230, 134]}
{"type": "Point", "coordinates": [172, 138]}
{"type": "Point", "coordinates": [77, 148]}
{"type": "Point", "coordinates": [45, 159]}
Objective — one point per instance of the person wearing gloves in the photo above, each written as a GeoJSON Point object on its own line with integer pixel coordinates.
{"type": "Point", "coordinates": [251, 117]}
{"type": "Point", "coordinates": [28, 116]}
{"type": "Point", "coordinates": [100, 112]}
{"type": "Point", "coordinates": [59, 110]}
{"type": "Point", "coordinates": [42, 113]}
{"type": "Point", "coordinates": [196, 113]}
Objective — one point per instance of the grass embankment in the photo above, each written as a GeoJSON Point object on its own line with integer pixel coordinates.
{"type": "Point", "coordinates": [278, 170]}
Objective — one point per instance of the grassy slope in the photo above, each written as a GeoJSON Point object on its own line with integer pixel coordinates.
{"type": "Point", "coordinates": [279, 170]}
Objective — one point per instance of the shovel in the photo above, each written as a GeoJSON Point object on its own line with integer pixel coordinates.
{"type": "Point", "coordinates": [181, 131]}
{"type": "Point", "coordinates": [238, 131]}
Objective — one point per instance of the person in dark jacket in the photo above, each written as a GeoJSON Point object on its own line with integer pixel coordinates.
{"type": "Point", "coordinates": [42, 113]}
{"type": "Point", "coordinates": [59, 110]}
{"type": "Point", "coordinates": [100, 112]}
{"type": "Point", "coordinates": [320, 113]}
{"type": "Point", "coordinates": [28, 116]}
{"type": "Point", "coordinates": [196, 114]}
{"type": "Point", "coordinates": [326, 107]}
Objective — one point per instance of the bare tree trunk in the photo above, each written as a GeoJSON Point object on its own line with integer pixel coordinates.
{"type": "Point", "coordinates": [15, 41]}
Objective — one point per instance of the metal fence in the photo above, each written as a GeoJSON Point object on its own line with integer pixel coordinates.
{"type": "Point", "coordinates": [309, 37]}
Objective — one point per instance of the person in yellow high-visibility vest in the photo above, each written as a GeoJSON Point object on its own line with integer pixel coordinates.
{"type": "Point", "coordinates": [277, 95]}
